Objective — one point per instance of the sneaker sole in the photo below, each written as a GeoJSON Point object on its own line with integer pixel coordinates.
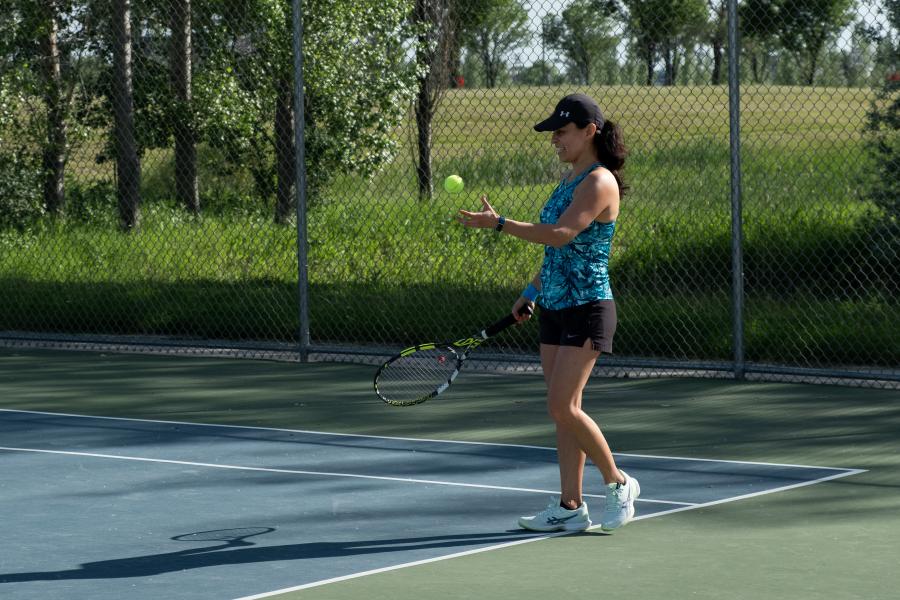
{"type": "Point", "coordinates": [581, 526]}
{"type": "Point", "coordinates": [629, 516]}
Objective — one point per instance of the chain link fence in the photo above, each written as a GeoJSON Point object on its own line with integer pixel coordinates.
{"type": "Point", "coordinates": [148, 172]}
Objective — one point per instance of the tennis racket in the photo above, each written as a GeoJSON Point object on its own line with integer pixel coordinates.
{"type": "Point", "coordinates": [421, 372]}
{"type": "Point", "coordinates": [232, 537]}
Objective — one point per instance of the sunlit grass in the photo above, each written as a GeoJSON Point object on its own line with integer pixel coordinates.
{"type": "Point", "coordinates": [386, 266]}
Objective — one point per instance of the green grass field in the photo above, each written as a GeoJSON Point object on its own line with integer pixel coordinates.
{"type": "Point", "coordinates": [379, 255]}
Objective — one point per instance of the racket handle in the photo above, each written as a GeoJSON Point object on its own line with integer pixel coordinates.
{"type": "Point", "coordinates": [495, 328]}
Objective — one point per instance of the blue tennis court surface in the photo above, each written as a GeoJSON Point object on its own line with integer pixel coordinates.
{"type": "Point", "coordinates": [99, 503]}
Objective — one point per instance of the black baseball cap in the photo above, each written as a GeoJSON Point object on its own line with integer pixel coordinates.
{"type": "Point", "coordinates": [574, 108]}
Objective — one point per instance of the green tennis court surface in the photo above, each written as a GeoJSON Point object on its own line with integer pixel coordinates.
{"type": "Point", "coordinates": [357, 499]}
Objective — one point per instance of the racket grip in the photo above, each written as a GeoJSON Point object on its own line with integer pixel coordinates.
{"type": "Point", "coordinates": [495, 328]}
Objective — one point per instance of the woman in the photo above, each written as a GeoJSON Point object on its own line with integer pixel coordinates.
{"type": "Point", "coordinates": [578, 314]}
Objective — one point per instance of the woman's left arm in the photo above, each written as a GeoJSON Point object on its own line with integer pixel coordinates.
{"type": "Point", "coordinates": [591, 198]}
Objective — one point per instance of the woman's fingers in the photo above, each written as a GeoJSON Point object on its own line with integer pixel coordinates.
{"type": "Point", "coordinates": [482, 219]}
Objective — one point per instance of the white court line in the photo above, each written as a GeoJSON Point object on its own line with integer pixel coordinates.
{"type": "Point", "coordinates": [534, 539]}
{"type": "Point", "coordinates": [403, 566]}
{"type": "Point", "coordinates": [840, 472]}
{"type": "Point", "coordinates": [409, 439]}
{"type": "Point", "coordinates": [318, 473]}
{"type": "Point", "coordinates": [846, 473]}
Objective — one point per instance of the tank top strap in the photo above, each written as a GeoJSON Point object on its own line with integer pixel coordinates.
{"type": "Point", "coordinates": [583, 174]}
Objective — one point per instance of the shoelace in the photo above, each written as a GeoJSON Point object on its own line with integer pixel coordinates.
{"type": "Point", "coordinates": [614, 497]}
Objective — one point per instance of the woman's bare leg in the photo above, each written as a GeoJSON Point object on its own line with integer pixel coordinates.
{"type": "Point", "coordinates": [569, 454]}
{"type": "Point", "coordinates": [566, 371]}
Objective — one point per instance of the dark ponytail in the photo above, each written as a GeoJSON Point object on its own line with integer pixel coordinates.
{"type": "Point", "coordinates": [610, 145]}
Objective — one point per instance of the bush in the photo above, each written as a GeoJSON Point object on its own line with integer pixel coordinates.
{"type": "Point", "coordinates": [20, 170]}
{"type": "Point", "coordinates": [883, 184]}
{"type": "Point", "coordinates": [93, 202]}
{"type": "Point", "coordinates": [883, 129]}
{"type": "Point", "coordinates": [20, 191]}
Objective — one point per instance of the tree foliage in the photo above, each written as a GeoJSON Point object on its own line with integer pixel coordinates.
{"type": "Point", "coordinates": [358, 81]}
{"type": "Point", "coordinates": [362, 73]}
{"type": "Point", "coordinates": [582, 33]}
{"type": "Point", "coordinates": [359, 84]}
{"type": "Point", "coordinates": [801, 27]}
{"type": "Point", "coordinates": [883, 127]}
{"type": "Point", "coordinates": [20, 165]}
{"type": "Point", "coordinates": [662, 29]}
{"type": "Point", "coordinates": [504, 27]}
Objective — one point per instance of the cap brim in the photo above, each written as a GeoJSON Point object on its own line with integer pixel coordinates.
{"type": "Point", "coordinates": [552, 124]}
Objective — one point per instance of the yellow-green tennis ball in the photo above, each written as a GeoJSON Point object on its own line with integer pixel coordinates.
{"type": "Point", "coordinates": [453, 184]}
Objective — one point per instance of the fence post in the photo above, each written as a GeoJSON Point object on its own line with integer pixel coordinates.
{"type": "Point", "coordinates": [737, 262]}
{"type": "Point", "coordinates": [300, 184]}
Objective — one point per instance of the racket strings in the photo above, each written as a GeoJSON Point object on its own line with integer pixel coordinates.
{"type": "Point", "coordinates": [417, 375]}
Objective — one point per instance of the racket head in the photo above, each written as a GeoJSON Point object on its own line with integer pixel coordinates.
{"type": "Point", "coordinates": [230, 536]}
{"type": "Point", "coordinates": [418, 373]}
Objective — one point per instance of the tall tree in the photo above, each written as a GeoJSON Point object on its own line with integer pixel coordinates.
{"type": "Point", "coordinates": [32, 41]}
{"type": "Point", "coordinates": [128, 166]}
{"type": "Point", "coordinates": [54, 95]}
{"type": "Point", "coordinates": [186, 189]}
{"type": "Point", "coordinates": [435, 42]}
{"type": "Point", "coordinates": [805, 26]}
{"type": "Point", "coordinates": [758, 21]}
{"type": "Point", "coordinates": [583, 34]}
{"type": "Point", "coordinates": [441, 28]}
{"type": "Point", "coordinates": [883, 143]}
{"type": "Point", "coordinates": [503, 28]}
{"type": "Point", "coordinates": [645, 28]}
{"type": "Point", "coordinates": [359, 84]}
{"type": "Point", "coordinates": [467, 16]}
{"type": "Point", "coordinates": [687, 20]}
{"type": "Point", "coordinates": [717, 36]}
{"type": "Point", "coordinates": [661, 29]}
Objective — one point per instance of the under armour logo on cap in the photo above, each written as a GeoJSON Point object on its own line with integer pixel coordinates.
{"type": "Point", "coordinates": [574, 108]}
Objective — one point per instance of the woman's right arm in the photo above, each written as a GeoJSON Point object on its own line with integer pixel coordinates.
{"type": "Point", "coordinates": [522, 301]}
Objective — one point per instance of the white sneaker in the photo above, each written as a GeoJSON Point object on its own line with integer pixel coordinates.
{"type": "Point", "coordinates": [557, 518]}
{"type": "Point", "coordinates": [620, 503]}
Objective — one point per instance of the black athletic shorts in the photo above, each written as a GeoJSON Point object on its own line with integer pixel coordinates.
{"type": "Point", "coordinates": [595, 321]}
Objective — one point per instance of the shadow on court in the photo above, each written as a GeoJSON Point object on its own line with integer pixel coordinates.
{"type": "Point", "coordinates": [236, 553]}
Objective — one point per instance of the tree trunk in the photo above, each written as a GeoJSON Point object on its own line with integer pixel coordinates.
{"type": "Point", "coordinates": [284, 148]}
{"type": "Point", "coordinates": [128, 166]}
{"type": "Point", "coordinates": [813, 65]}
{"type": "Point", "coordinates": [424, 116]}
{"type": "Point", "coordinates": [490, 70]}
{"type": "Point", "coordinates": [718, 38]}
{"type": "Point", "coordinates": [676, 65]}
{"type": "Point", "coordinates": [433, 55]}
{"type": "Point", "coordinates": [669, 59]}
{"type": "Point", "coordinates": [717, 61]}
{"type": "Point", "coordinates": [186, 190]}
{"type": "Point", "coordinates": [651, 55]}
{"type": "Point", "coordinates": [54, 155]}
{"type": "Point", "coordinates": [585, 68]}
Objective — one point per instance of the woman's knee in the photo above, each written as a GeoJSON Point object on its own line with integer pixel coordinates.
{"type": "Point", "coordinates": [562, 412]}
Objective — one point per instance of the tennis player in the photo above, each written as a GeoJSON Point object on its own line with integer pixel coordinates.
{"type": "Point", "coordinates": [578, 313]}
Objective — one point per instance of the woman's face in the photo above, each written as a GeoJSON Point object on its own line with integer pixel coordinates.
{"type": "Point", "coordinates": [570, 142]}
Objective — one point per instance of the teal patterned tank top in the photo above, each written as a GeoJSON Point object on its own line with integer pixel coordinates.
{"type": "Point", "coordinates": [578, 272]}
